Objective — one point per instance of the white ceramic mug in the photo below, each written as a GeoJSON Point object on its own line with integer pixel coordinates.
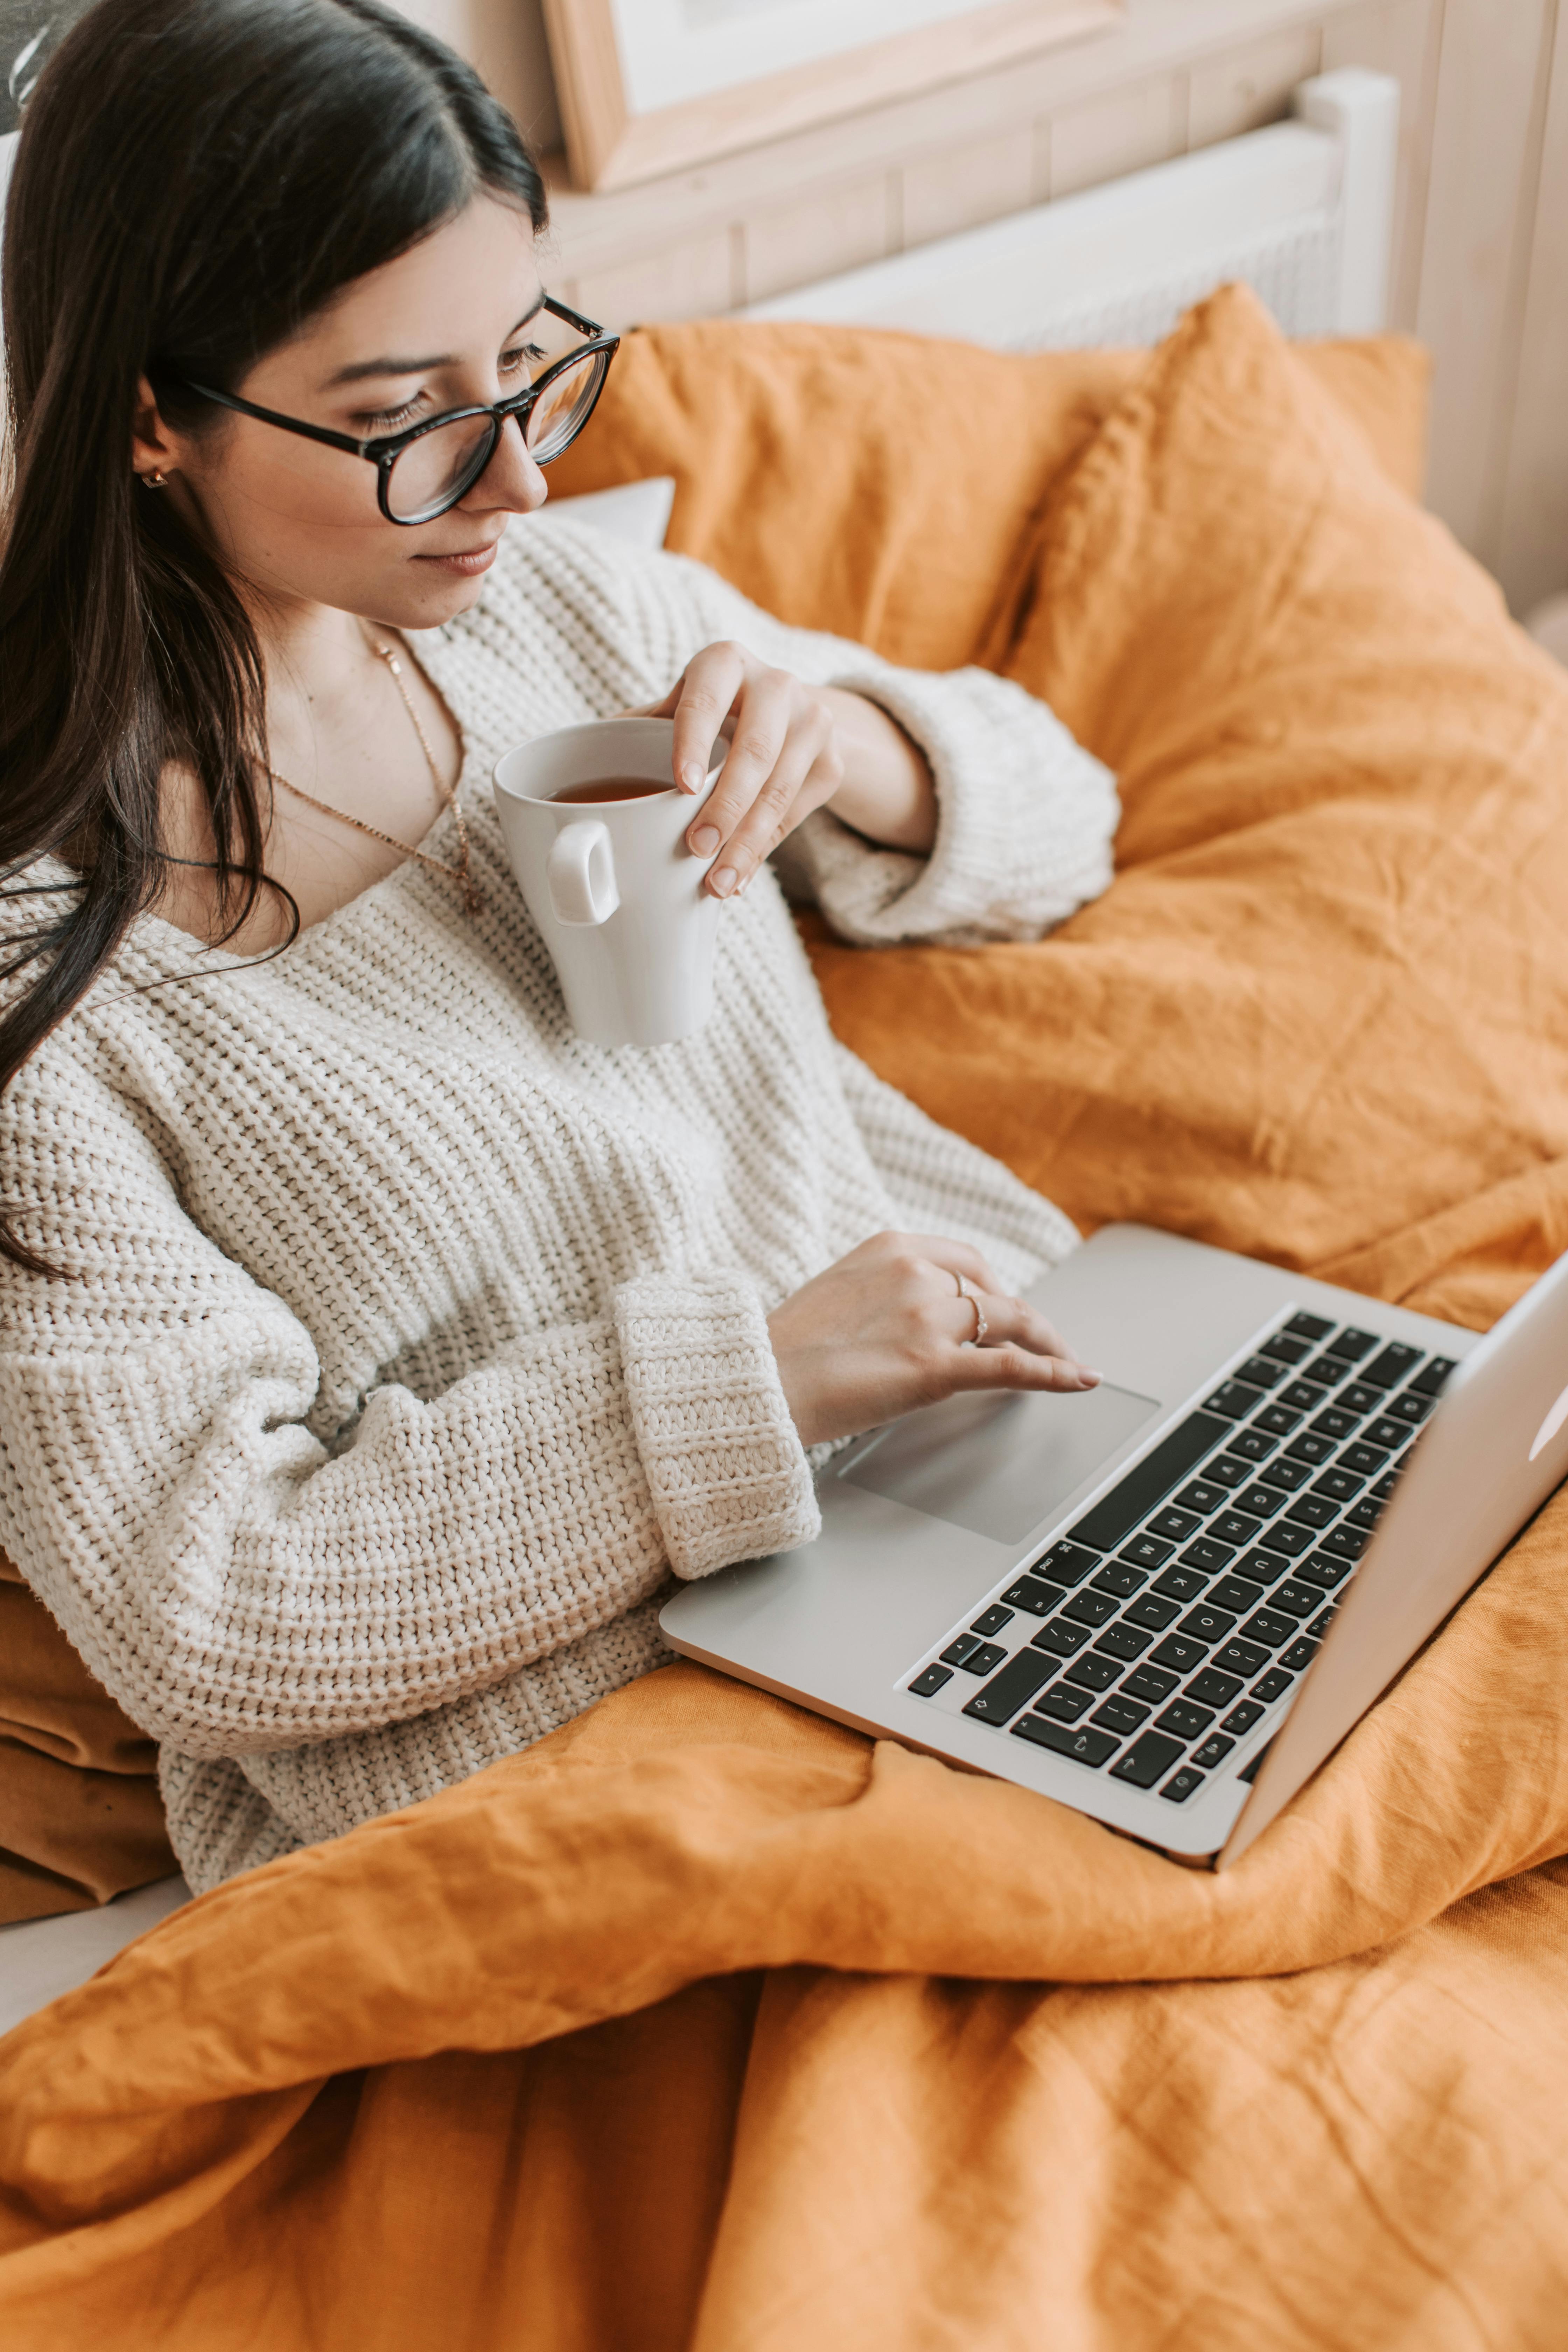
{"type": "Point", "coordinates": [615, 893]}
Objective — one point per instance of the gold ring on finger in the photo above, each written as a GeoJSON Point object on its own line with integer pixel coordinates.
{"type": "Point", "coordinates": [967, 1291]}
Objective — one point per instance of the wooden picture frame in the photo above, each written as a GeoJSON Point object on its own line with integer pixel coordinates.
{"type": "Point", "coordinates": [650, 86]}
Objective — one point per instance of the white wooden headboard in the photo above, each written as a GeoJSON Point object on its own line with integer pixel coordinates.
{"type": "Point", "coordinates": [1303, 212]}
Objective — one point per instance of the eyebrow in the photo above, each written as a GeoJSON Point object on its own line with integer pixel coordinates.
{"type": "Point", "coordinates": [364, 368]}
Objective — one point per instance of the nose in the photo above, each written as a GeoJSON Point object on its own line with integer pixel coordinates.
{"type": "Point", "coordinates": [511, 479]}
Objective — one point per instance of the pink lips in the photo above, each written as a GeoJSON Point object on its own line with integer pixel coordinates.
{"type": "Point", "coordinates": [467, 566]}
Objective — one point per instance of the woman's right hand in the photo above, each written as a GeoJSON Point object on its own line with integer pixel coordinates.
{"type": "Point", "coordinates": [884, 1330]}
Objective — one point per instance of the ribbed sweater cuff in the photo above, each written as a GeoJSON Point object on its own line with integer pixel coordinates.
{"type": "Point", "coordinates": [724, 1465]}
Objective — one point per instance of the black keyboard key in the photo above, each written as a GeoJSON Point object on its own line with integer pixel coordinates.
{"type": "Point", "coordinates": [1207, 1557]}
{"type": "Point", "coordinates": [1068, 1563]}
{"type": "Point", "coordinates": [1197, 1495]}
{"type": "Point", "coordinates": [1061, 1636]}
{"type": "Point", "coordinates": [959, 1652]}
{"type": "Point", "coordinates": [1225, 1470]}
{"type": "Point", "coordinates": [1326, 1371]}
{"type": "Point", "coordinates": [1038, 1599]}
{"type": "Point", "coordinates": [1145, 1552]}
{"type": "Point", "coordinates": [1092, 1607]}
{"type": "Point", "coordinates": [1313, 1511]}
{"type": "Point", "coordinates": [1386, 1432]}
{"type": "Point", "coordinates": [1183, 1720]}
{"type": "Point", "coordinates": [1177, 1650]}
{"type": "Point", "coordinates": [1261, 1372]}
{"type": "Point", "coordinates": [1151, 1682]}
{"type": "Point", "coordinates": [1311, 1448]}
{"type": "Point", "coordinates": [1302, 1396]}
{"type": "Point", "coordinates": [1233, 1592]}
{"type": "Point", "coordinates": [1294, 1598]}
{"type": "Point", "coordinates": [1363, 1459]}
{"type": "Point", "coordinates": [1272, 1686]}
{"type": "Point", "coordinates": [1291, 1541]}
{"type": "Point", "coordinates": [1017, 1684]}
{"type": "Point", "coordinates": [1240, 1657]}
{"type": "Point", "coordinates": [1346, 1543]}
{"type": "Point", "coordinates": [1146, 1758]}
{"type": "Point", "coordinates": [1234, 1402]}
{"type": "Point", "coordinates": [1299, 1656]}
{"type": "Point", "coordinates": [1124, 1642]}
{"type": "Point", "coordinates": [1322, 1571]}
{"type": "Point", "coordinates": [1084, 1746]}
{"type": "Point", "coordinates": [1153, 1611]}
{"type": "Point", "coordinates": [1176, 1524]}
{"type": "Point", "coordinates": [1315, 1328]}
{"type": "Point", "coordinates": [1430, 1381]}
{"type": "Point", "coordinates": [1117, 1513]}
{"type": "Point", "coordinates": [1366, 1515]}
{"type": "Point", "coordinates": [1180, 1785]}
{"type": "Point", "coordinates": [1259, 1502]}
{"type": "Point", "coordinates": [1262, 1566]}
{"type": "Point", "coordinates": [1180, 1584]}
{"type": "Point", "coordinates": [1275, 1421]}
{"type": "Point", "coordinates": [1120, 1714]}
{"type": "Point", "coordinates": [1267, 1626]}
{"type": "Point", "coordinates": [1232, 1528]}
{"type": "Point", "coordinates": [1335, 1423]}
{"type": "Point", "coordinates": [1207, 1624]}
{"type": "Point", "coordinates": [991, 1620]}
{"type": "Point", "coordinates": [1385, 1487]}
{"type": "Point", "coordinates": [1285, 1474]}
{"type": "Point", "coordinates": [926, 1684]}
{"type": "Point", "coordinates": [1092, 1673]}
{"type": "Point", "coordinates": [1116, 1577]}
{"type": "Point", "coordinates": [1323, 1621]}
{"type": "Point", "coordinates": [1214, 1751]}
{"type": "Point", "coordinates": [1353, 1345]}
{"type": "Point", "coordinates": [1252, 1445]}
{"type": "Point", "coordinates": [1390, 1370]}
{"type": "Point", "coordinates": [1065, 1703]}
{"type": "Point", "coordinates": [1359, 1399]}
{"type": "Point", "coordinates": [983, 1660]}
{"type": "Point", "coordinates": [1338, 1484]}
{"type": "Point", "coordinates": [1410, 1407]}
{"type": "Point", "coordinates": [1287, 1350]}
{"type": "Point", "coordinates": [1209, 1689]}
{"type": "Point", "coordinates": [1241, 1719]}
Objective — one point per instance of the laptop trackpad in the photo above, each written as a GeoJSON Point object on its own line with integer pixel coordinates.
{"type": "Point", "coordinates": [998, 1464]}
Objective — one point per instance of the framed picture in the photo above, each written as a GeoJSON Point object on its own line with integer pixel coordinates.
{"type": "Point", "coordinates": [652, 86]}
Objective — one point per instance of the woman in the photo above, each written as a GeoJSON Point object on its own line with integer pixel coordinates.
{"type": "Point", "coordinates": [372, 1350]}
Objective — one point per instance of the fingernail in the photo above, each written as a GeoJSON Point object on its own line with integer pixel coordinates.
{"type": "Point", "coordinates": [723, 882]}
{"type": "Point", "coordinates": [1090, 1380]}
{"type": "Point", "coordinates": [691, 777]}
{"type": "Point", "coordinates": [704, 840]}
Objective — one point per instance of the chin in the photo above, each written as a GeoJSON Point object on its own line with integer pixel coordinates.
{"type": "Point", "coordinates": [422, 602]}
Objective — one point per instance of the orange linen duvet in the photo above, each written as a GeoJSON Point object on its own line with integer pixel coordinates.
{"type": "Point", "coordinates": [705, 2023]}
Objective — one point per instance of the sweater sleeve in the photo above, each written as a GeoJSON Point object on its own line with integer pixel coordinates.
{"type": "Point", "coordinates": [1026, 817]}
{"type": "Point", "coordinates": [239, 1589]}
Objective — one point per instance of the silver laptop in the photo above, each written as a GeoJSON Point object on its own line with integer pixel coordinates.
{"type": "Point", "coordinates": [1164, 1601]}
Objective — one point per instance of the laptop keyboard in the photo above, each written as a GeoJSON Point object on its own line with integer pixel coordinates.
{"type": "Point", "coordinates": [1185, 1603]}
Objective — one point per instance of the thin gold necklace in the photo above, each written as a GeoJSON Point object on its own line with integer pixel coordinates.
{"type": "Point", "coordinates": [460, 873]}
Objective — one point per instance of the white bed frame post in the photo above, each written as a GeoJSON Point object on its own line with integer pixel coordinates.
{"type": "Point", "coordinates": [1360, 111]}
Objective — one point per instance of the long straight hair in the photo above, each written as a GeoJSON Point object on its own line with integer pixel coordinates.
{"type": "Point", "coordinates": [195, 180]}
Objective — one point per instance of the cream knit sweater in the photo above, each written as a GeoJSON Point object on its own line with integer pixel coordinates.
{"type": "Point", "coordinates": [413, 1342]}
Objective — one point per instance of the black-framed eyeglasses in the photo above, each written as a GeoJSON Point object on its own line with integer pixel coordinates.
{"type": "Point", "coordinates": [422, 471]}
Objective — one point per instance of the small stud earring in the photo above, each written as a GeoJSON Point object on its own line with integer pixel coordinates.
{"type": "Point", "coordinates": [154, 481]}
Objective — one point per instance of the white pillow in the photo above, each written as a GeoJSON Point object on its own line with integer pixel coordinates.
{"type": "Point", "coordinates": [637, 511]}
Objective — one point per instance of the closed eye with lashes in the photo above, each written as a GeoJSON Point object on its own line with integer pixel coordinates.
{"type": "Point", "coordinates": [382, 420]}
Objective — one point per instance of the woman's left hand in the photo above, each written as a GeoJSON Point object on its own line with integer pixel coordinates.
{"type": "Point", "coordinates": [793, 748]}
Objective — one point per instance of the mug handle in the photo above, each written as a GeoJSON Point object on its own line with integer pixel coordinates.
{"type": "Point", "coordinates": [581, 872]}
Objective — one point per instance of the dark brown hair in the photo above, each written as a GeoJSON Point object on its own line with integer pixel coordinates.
{"type": "Point", "coordinates": [195, 180]}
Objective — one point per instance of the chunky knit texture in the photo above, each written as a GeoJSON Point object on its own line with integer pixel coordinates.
{"type": "Point", "coordinates": [413, 1342]}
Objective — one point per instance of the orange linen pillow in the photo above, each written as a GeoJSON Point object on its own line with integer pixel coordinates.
{"type": "Point", "coordinates": [1321, 1016]}
{"type": "Point", "coordinates": [888, 488]}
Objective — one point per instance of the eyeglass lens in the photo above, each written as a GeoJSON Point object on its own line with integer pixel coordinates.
{"type": "Point", "coordinates": [434, 471]}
